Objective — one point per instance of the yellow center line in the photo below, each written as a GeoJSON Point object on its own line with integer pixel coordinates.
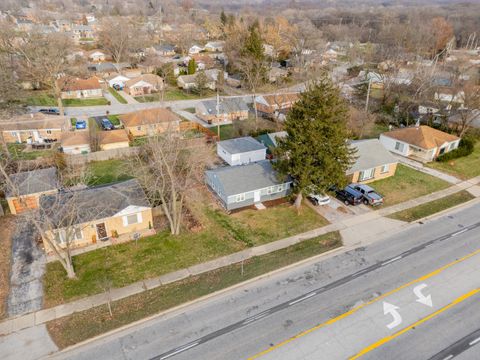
{"type": "Point", "coordinates": [355, 309]}
{"type": "Point", "coordinates": [419, 322]}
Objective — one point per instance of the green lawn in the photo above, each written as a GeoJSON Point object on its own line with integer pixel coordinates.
{"type": "Point", "coordinates": [108, 171]}
{"type": "Point", "coordinates": [117, 96]}
{"type": "Point", "coordinates": [464, 168]}
{"type": "Point", "coordinates": [16, 150]}
{"type": "Point", "coordinates": [44, 99]}
{"type": "Point", "coordinates": [114, 119]}
{"type": "Point", "coordinates": [172, 95]}
{"type": "Point", "coordinates": [407, 184]}
{"type": "Point", "coordinates": [432, 207]}
{"type": "Point", "coordinates": [226, 131]}
{"type": "Point", "coordinates": [162, 253]}
{"type": "Point", "coordinates": [86, 324]}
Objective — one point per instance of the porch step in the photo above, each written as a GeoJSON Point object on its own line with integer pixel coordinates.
{"type": "Point", "coordinates": [260, 206]}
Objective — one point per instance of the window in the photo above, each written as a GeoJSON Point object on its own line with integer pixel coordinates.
{"type": "Point", "coordinates": [270, 190]}
{"type": "Point", "coordinates": [453, 146]}
{"type": "Point", "coordinates": [240, 197]}
{"type": "Point", "coordinates": [139, 128]}
{"type": "Point", "coordinates": [385, 168]}
{"type": "Point", "coordinates": [132, 219]}
{"type": "Point", "coordinates": [49, 131]}
{"type": "Point", "coordinates": [366, 174]}
{"type": "Point", "coordinates": [13, 133]}
{"type": "Point", "coordinates": [279, 188]}
{"type": "Point", "coordinates": [399, 146]}
{"type": "Point", "coordinates": [61, 235]}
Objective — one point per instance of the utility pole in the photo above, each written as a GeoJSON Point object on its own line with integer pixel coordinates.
{"type": "Point", "coordinates": [217, 108]}
{"type": "Point", "coordinates": [368, 94]}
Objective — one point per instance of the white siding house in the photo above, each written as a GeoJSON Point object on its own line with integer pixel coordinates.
{"type": "Point", "coordinates": [241, 151]}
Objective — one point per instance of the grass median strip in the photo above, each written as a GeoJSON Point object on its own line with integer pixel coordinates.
{"type": "Point", "coordinates": [84, 325]}
{"type": "Point", "coordinates": [432, 207]}
{"type": "Point", "coordinates": [117, 96]}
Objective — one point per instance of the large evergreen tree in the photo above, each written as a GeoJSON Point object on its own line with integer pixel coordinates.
{"type": "Point", "coordinates": [315, 151]}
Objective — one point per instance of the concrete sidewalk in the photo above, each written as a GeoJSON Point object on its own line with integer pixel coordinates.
{"type": "Point", "coordinates": [360, 229]}
{"type": "Point", "coordinates": [130, 99]}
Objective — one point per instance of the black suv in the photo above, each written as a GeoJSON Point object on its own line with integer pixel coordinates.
{"type": "Point", "coordinates": [349, 196]}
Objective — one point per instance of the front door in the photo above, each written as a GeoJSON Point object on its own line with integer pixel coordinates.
{"type": "Point", "coordinates": [256, 196]}
{"type": "Point", "coordinates": [101, 231]}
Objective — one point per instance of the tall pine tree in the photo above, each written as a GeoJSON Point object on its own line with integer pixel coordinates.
{"type": "Point", "coordinates": [315, 151]}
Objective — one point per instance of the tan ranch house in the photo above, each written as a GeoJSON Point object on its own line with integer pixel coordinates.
{"type": "Point", "coordinates": [150, 122]}
{"type": "Point", "coordinates": [76, 88]}
{"type": "Point", "coordinates": [119, 211]}
{"type": "Point", "coordinates": [29, 187]}
{"type": "Point", "coordinates": [275, 103]}
{"type": "Point", "coordinates": [143, 85]}
{"type": "Point", "coordinates": [225, 110]}
{"type": "Point", "coordinates": [421, 143]}
{"type": "Point", "coordinates": [373, 162]}
{"type": "Point", "coordinates": [33, 128]}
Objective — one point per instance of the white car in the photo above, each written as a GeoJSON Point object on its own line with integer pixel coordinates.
{"type": "Point", "coordinates": [319, 199]}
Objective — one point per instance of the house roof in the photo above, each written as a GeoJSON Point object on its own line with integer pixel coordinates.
{"type": "Point", "coordinates": [149, 116]}
{"type": "Point", "coordinates": [94, 203]}
{"type": "Point", "coordinates": [74, 84]}
{"type": "Point", "coordinates": [73, 138]}
{"type": "Point", "coordinates": [241, 145]}
{"type": "Point", "coordinates": [243, 178]}
{"type": "Point", "coordinates": [422, 136]}
{"type": "Point", "coordinates": [113, 136]}
{"type": "Point", "coordinates": [33, 122]}
{"type": "Point", "coordinates": [35, 181]}
{"type": "Point", "coordinates": [228, 105]}
{"type": "Point", "coordinates": [274, 99]}
{"type": "Point", "coordinates": [152, 79]}
{"type": "Point", "coordinates": [370, 154]}
{"type": "Point", "coordinates": [164, 47]}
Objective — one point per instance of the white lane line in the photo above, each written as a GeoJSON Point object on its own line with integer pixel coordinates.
{"type": "Point", "coordinates": [448, 357]}
{"type": "Point", "coordinates": [256, 317]}
{"type": "Point", "coordinates": [302, 298]}
{"type": "Point", "coordinates": [473, 342]}
{"type": "Point", "coordinates": [459, 232]}
{"type": "Point", "coordinates": [392, 260]}
{"type": "Point", "coordinates": [182, 349]}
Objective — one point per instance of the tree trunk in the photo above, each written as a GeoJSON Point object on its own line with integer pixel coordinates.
{"type": "Point", "coordinates": [298, 201]}
{"type": "Point", "coordinates": [255, 109]}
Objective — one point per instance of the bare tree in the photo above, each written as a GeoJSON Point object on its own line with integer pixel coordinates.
{"type": "Point", "coordinates": [167, 169]}
{"type": "Point", "coordinates": [359, 122]}
{"type": "Point", "coordinates": [41, 58]}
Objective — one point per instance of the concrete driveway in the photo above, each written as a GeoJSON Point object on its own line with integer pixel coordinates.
{"type": "Point", "coordinates": [337, 211]}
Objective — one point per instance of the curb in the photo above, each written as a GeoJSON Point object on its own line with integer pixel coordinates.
{"type": "Point", "coordinates": [173, 310]}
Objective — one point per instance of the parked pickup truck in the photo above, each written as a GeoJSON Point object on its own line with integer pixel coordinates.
{"type": "Point", "coordinates": [349, 195]}
{"type": "Point", "coordinates": [370, 196]}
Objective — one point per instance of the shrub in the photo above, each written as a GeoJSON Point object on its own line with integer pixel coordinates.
{"type": "Point", "coordinates": [465, 148]}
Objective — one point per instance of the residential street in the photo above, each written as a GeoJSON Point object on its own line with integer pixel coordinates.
{"type": "Point", "coordinates": [250, 319]}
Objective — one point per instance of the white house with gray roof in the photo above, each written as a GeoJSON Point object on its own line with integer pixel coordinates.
{"type": "Point", "coordinates": [241, 151]}
{"type": "Point", "coordinates": [241, 186]}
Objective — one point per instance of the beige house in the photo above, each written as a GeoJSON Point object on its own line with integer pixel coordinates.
{"type": "Point", "coordinates": [275, 103]}
{"type": "Point", "coordinates": [113, 139]}
{"type": "Point", "coordinates": [421, 143]}
{"type": "Point", "coordinates": [143, 85]}
{"type": "Point", "coordinates": [29, 186]}
{"type": "Point", "coordinates": [75, 142]}
{"type": "Point", "coordinates": [150, 122]}
{"type": "Point", "coordinates": [225, 110]}
{"type": "Point", "coordinates": [118, 211]}
{"type": "Point", "coordinates": [76, 88]}
{"type": "Point", "coordinates": [373, 162]}
{"type": "Point", "coordinates": [33, 128]}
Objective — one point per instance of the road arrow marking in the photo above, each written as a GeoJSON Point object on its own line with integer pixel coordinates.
{"type": "Point", "coordinates": [392, 310]}
{"type": "Point", "coordinates": [422, 299]}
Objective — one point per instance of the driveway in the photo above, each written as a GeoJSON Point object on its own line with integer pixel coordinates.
{"type": "Point", "coordinates": [28, 267]}
{"type": "Point", "coordinates": [336, 211]}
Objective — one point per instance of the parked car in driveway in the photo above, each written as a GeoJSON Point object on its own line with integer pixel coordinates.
{"type": "Point", "coordinates": [50, 111]}
{"type": "Point", "coordinates": [106, 124]}
{"type": "Point", "coordinates": [319, 199]}
{"type": "Point", "coordinates": [370, 196]}
{"type": "Point", "coordinates": [349, 196]}
{"type": "Point", "coordinates": [80, 124]}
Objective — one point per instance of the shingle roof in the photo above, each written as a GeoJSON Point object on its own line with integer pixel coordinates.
{"type": "Point", "coordinates": [37, 121]}
{"type": "Point", "coordinates": [422, 136]}
{"type": "Point", "coordinates": [226, 106]}
{"type": "Point", "coordinates": [94, 203]}
{"type": "Point", "coordinates": [245, 178]}
{"type": "Point", "coordinates": [241, 145]}
{"type": "Point", "coordinates": [149, 116]}
{"type": "Point", "coordinates": [72, 138]}
{"type": "Point", "coordinates": [282, 98]}
{"type": "Point", "coordinates": [113, 136]}
{"type": "Point", "coordinates": [73, 84]}
{"type": "Point", "coordinates": [153, 79]}
{"type": "Point", "coordinates": [35, 181]}
{"type": "Point", "coordinates": [370, 154]}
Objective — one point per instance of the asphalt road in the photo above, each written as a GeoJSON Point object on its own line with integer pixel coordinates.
{"type": "Point", "coordinates": [255, 317]}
